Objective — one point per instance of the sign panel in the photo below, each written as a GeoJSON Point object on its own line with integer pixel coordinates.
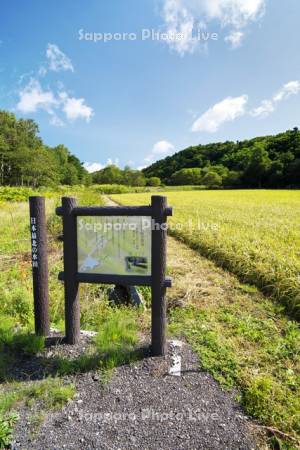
{"type": "Point", "coordinates": [118, 245]}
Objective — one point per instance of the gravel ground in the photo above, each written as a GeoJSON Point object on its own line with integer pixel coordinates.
{"type": "Point", "coordinates": [144, 407]}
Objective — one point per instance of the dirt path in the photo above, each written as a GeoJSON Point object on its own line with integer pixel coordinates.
{"type": "Point", "coordinates": [108, 201]}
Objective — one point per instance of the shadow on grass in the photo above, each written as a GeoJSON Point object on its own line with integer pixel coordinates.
{"type": "Point", "coordinates": [104, 362]}
{"type": "Point", "coordinates": [24, 358]}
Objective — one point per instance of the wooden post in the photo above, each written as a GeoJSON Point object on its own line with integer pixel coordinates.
{"type": "Point", "coordinates": [72, 308]}
{"type": "Point", "coordinates": [159, 240]}
{"type": "Point", "coordinates": [38, 230]}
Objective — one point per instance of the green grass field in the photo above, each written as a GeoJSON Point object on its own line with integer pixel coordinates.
{"type": "Point", "coordinates": [253, 234]}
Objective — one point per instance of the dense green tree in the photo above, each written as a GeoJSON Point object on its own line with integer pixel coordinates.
{"type": "Point", "coordinates": [269, 161]}
{"type": "Point", "coordinates": [153, 181]}
{"type": "Point", "coordinates": [192, 176]}
{"type": "Point", "coordinates": [232, 179]}
{"type": "Point", "coordinates": [133, 177]}
{"type": "Point", "coordinates": [4, 159]}
{"type": "Point", "coordinates": [109, 175]}
{"type": "Point", "coordinates": [212, 179]}
{"type": "Point", "coordinates": [293, 173]}
{"type": "Point", "coordinates": [258, 166]}
{"type": "Point", "coordinates": [114, 175]}
{"type": "Point", "coordinates": [25, 160]}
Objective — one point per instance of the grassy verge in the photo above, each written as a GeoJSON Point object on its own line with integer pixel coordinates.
{"type": "Point", "coordinates": [50, 394]}
{"type": "Point", "coordinates": [242, 339]}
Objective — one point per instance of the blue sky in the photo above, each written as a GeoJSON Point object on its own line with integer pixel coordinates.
{"type": "Point", "coordinates": [224, 70]}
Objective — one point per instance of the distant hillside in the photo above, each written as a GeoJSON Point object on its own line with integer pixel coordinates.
{"type": "Point", "coordinates": [269, 161]}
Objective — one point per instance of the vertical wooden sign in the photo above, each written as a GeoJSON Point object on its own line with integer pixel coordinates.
{"type": "Point", "coordinates": [158, 288]}
{"type": "Point", "coordinates": [39, 257]}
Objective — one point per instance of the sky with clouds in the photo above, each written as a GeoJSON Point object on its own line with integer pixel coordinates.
{"type": "Point", "coordinates": [132, 82]}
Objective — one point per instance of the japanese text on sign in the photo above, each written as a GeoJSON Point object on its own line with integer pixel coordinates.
{"type": "Point", "coordinates": [119, 245]}
{"type": "Point", "coordinates": [34, 249]}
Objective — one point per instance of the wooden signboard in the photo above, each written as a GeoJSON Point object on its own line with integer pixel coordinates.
{"type": "Point", "coordinates": [122, 245]}
{"type": "Point", "coordinates": [38, 235]}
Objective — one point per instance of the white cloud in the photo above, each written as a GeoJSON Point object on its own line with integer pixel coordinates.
{"type": "Point", "coordinates": [57, 59]}
{"type": "Point", "coordinates": [92, 167]}
{"type": "Point", "coordinates": [235, 39]}
{"type": "Point", "coordinates": [56, 121]}
{"type": "Point", "coordinates": [33, 98]}
{"type": "Point", "coordinates": [162, 148]}
{"type": "Point", "coordinates": [268, 106]}
{"type": "Point", "coordinates": [227, 110]}
{"type": "Point", "coordinates": [288, 89]}
{"type": "Point", "coordinates": [75, 108]}
{"type": "Point", "coordinates": [236, 13]}
{"type": "Point", "coordinates": [231, 108]}
{"type": "Point", "coordinates": [179, 21]}
{"type": "Point", "coordinates": [184, 16]}
{"type": "Point", "coordinates": [42, 71]}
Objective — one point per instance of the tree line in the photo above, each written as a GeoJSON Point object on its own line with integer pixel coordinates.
{"type": "Point", "coordinates": [26, 161]}
{"type": "Point", "coordinates": [127, 176]}
{"type": "Point", "coordinates": [262, 162]}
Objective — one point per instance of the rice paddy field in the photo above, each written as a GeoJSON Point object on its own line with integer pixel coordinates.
{"type": "Point", "coordinates": [254, 234]}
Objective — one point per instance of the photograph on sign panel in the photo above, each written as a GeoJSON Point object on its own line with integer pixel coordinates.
{"type": "Point", "coordinates": [114, 245]}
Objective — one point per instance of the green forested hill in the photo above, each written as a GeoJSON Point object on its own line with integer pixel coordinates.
{"type": "Point", "coordinates": [26, 161]}
{"type": "Point", "coordinates": [267, 162]}
{"type": "Point", "coordinates": [270, 161]}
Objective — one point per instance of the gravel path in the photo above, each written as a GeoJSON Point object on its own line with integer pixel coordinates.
{"type": "Point", "coordinates": [144, 407]}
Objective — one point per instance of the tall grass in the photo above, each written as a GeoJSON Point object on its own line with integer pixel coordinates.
{"type": "Point", "coordinates": [254, 234]}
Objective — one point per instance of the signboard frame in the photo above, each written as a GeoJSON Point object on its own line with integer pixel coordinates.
{"type": "Point", "coordinates": [158, 211]}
